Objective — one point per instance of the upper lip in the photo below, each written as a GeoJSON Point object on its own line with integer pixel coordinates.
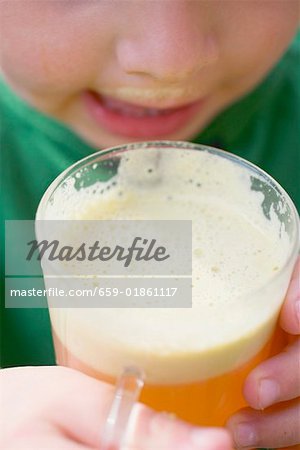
{"type": "Point", "coordinates": [166, 104]}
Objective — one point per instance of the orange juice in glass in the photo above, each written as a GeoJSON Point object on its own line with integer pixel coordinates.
{"type": "Point", "coordinates": [245, 234]}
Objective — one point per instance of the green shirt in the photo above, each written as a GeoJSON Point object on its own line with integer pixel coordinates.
{"type": "Point", "coordinates": [262, 127]}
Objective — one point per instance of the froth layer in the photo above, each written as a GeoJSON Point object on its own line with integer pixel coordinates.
{"type": "Point", "coordinates": [236, 250]}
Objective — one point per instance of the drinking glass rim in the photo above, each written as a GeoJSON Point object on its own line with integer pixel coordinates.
{"type": "Point", "coordinates": [165, 144]}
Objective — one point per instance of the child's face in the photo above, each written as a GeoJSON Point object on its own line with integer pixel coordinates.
{"type": "Point", "coordinates": [126, 70]}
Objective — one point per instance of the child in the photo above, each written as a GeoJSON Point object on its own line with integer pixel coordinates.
{"type": "Point", "coordinates": [79, 75]}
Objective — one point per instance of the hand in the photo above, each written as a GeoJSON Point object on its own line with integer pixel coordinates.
{"type": "Point", "coordinates": [47, 408]}
{"type": "Point", "coordinates": [274, 381]}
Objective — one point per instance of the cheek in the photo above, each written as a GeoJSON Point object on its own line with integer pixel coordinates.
{"type": "Point", "coordinates": [253, 37]}
{"type": "Point", "coordinates": [35, 68]}
{"type": "Point", "coordinates": [49, 53]}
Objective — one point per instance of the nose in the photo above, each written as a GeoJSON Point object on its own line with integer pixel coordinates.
{"type": "Point", "coordinates": [172, 43]}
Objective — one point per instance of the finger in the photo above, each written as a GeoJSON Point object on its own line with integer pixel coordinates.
{"type": "Point", "coordinates": [83, 419]}
{"type": "Point", "coordinates": [45, 443]}
{"type": "Point", "coordinates": [78, 405]}
{"type": "Point", "coordinates": [290, 312]}
{"type": "Point", "coordinates": [275, 380]}
{"type": "Point", "coordinates": [42, 435]}
{"type": "Point", "coordinates": [275, 428]}
{"type": "Point", "coordinates": [51, 443]}
{"type": "Point", "coordinates": [84, 415]}
{"type": "Point", "coordinates": [66, 398]}
{"type": "Point", "coordinates": [152, 431]}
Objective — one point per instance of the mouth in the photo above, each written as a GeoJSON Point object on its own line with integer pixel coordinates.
{"type": "Point", "coordinates": [138, 121]}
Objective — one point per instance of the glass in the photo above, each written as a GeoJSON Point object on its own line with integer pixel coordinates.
{"type": "Point", "coordinates": [245, 243]}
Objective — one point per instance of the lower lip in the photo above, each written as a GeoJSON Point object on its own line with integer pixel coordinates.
{"type": "Point", "coordinates": [140, 127]}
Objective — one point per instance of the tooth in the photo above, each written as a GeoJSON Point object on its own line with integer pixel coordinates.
{"type": "Point", "coordinates": [152, 112]}
{"type": "Point", "coordinates": [137, 114]}
{"type": "Point", "coordinates": [108, 103]}
{"type": "Point", "coordinates": [132, 111]}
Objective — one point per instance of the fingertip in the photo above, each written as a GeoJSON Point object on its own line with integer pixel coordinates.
{"type": "Point", "coordinates": [250, 388]}
{"type": "Point", "coordinates": [290, 312]}
{"type": "Point", "coordinates": [153, 430]}
{"type": "Point", "coordinates": [290, 316]}
{"type": "Point", "coordinates": [212, 438]}
{"type": "Point", "coordinates": [241, 427]}
{"type": "Point", "coordinates": [276, 427]}
{"type": "Point", "coordinates": [242, 415]}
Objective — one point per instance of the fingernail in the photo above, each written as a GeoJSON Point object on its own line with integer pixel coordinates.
{"type": "Point", "coordinates": [245, 435]}
{"type": "Point", "coordinates": [268, 392]}
{"type": "Point", "coordinates": [161, 420]}
{"type": "Point", "coordinates": [199, 438]}
{"type": "Point", "coordinates": [202, 438]}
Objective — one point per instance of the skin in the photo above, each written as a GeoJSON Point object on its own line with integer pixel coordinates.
{"type": "Point", "coordinates": [60, 408]}
{"type": "Point", "coordinates": [270, 423]}
{"type": "Point", "coordinates": [53, 51]}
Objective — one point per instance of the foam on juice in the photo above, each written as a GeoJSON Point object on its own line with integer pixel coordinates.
{"type": "Point", "coordinates": [237, 249]}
